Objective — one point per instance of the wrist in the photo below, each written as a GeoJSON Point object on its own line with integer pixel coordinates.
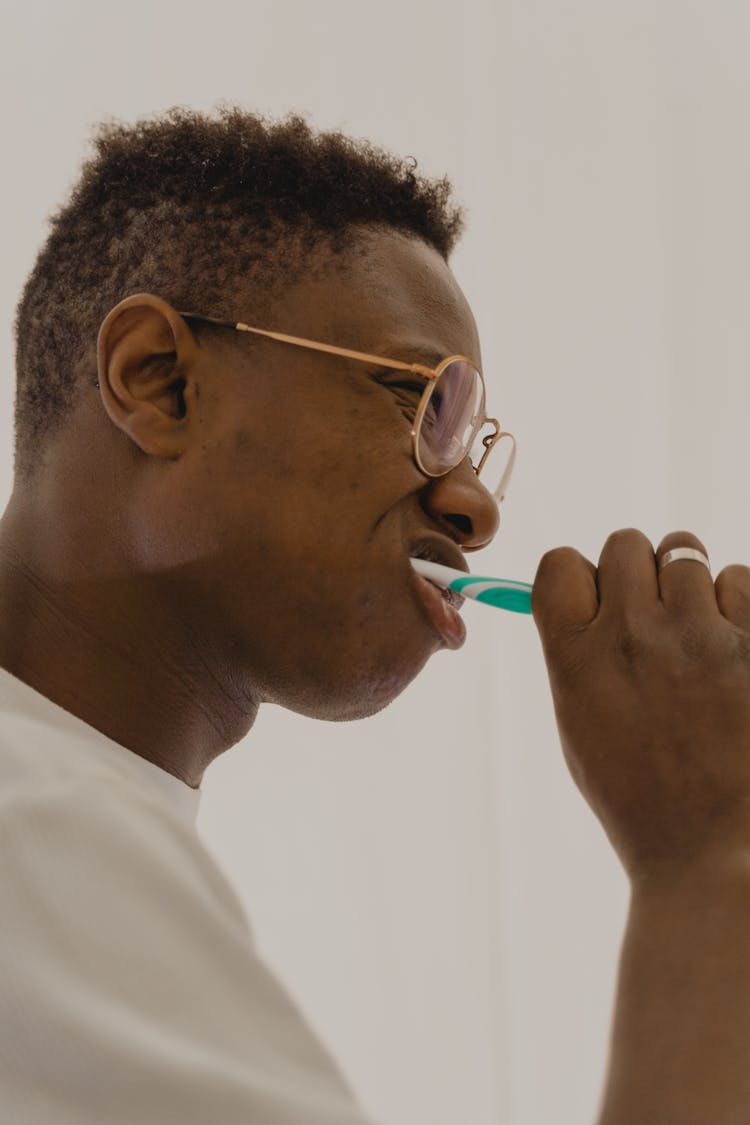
{"type": "Point", "coordinates": [717, 869]}
{"type": "Point", "coordinates": [702, 905]}
{"type": "Point", "coordinates": [681, 1032]}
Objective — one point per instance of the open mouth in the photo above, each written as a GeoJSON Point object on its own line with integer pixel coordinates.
{"type": "Point", "coordinates": [432, 553]}
{"type": "Point", "coordinates": [450, 596]}
{"type": "Point", "coordinates": [442, 606]}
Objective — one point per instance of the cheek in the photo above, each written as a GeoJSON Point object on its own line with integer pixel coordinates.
{"type": "Point", "coordinates": [301, 496]}
{"type": "Point", "coordinates": [332, 459]}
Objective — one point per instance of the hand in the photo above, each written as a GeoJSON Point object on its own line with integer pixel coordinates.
{"type": "Point", "coordinates": [650, 677]}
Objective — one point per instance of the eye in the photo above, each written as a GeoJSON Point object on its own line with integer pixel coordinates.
{"type": "Point", "coordinates": [398, 381]}
{"type": "Point", "coordinates": [407, 390]}
{"type": "Point", "coordinates": [408, 386]}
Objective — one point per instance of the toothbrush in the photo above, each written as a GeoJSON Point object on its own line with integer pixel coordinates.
{"type": "Point", "coordinates": [500, 592]}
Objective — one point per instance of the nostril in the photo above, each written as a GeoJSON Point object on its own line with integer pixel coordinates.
{"type": "Point", "coordinates": [463, 523]}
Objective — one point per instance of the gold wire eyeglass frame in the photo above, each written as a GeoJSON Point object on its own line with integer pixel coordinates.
{"type": "Point", "coordinates": [429, 373]}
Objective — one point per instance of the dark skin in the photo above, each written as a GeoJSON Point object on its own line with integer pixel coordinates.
{"type": "Point", "coordinates": [222, 508]}
{"type": "Point", "coordinates": [650, 676]}
{"type": "Point", "coordinates": [226, 524]}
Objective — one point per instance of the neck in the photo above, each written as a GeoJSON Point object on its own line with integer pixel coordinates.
{"type": "Point", "coordinates": [113, 650]}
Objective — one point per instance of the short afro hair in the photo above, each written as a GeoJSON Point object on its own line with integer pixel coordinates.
{"type": "Point", "coordinates": [193, 207]}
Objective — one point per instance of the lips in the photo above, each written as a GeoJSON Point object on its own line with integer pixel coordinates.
{"type": "Point", "coordinates": [443, 617]}
{"type": "Point", "coordinates": [441, 606]}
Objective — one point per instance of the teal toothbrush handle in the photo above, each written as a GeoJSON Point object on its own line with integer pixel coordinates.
{"type": "Point", "coordinates": [502, 593]}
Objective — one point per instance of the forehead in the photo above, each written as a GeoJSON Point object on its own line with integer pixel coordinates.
{"type": "Point", "coordinates": [390, 294]}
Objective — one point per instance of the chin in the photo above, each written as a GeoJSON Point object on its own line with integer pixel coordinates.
{"type": "Point", "coordinates": [353, 699]}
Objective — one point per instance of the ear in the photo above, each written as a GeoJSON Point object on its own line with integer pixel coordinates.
{"type": "Point", "coordinates": [146, 357]}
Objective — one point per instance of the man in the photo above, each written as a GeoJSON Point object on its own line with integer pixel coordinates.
{"type": "Point", "coordinates": [167, 462]}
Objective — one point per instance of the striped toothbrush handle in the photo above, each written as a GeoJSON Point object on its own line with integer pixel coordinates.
{"type": "Point", "coordinates": [500, 592]}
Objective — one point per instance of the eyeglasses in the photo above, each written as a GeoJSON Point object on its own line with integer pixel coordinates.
{"type": "Point", "coordinates": [450, 414]}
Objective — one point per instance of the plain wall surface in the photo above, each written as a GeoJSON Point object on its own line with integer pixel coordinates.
{"type": "Point", "coordinates": [428, 883]}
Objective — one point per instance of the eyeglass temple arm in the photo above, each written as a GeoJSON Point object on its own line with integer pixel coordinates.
{"type": "Point", "coordinates": [366, 357]}
{"type": "Point", "coordinates": [488, 442]}
{"type": "Point", "coordinates": [300, 342]}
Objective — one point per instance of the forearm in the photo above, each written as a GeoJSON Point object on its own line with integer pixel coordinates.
{"type": "Point", "coordinates": [680, 1049]}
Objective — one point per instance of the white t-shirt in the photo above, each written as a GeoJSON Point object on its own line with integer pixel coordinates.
{"type": "Point", "coordinates": [130, 989]}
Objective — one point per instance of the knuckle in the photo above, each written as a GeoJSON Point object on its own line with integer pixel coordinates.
{"type": "Point", "coordinates": [732, 587]}
{"type": "Point", "coordinates": [692, 643]}
{"type": "Point", "coordinates": [625, 539]}
{"type": "Point", "coordinates": [629, 645]}
{"type": "Point", "coordinates": [736, 577]}
{"type": "Point", "coordinates": [709, 653]}
{"type": "Point", "coordinates": [558, 557]}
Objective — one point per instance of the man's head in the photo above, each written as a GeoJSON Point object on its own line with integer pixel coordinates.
{"type": "Point", "coordinates": [252, 504]}
{"type": "Point", "coordinates": [199, 210]}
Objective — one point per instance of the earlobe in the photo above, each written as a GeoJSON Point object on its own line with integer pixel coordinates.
{"type": "Point", "coordinates": [145, 351]}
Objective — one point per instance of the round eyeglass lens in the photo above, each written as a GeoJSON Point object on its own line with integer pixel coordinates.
{"type": "Point", "coordinates": [498, 468]}
{"type": "Point", "coordinates": [452, 417]}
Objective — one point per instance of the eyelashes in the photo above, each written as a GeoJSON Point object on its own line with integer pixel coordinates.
{"type": "Point", "coordinates": [407, 394]}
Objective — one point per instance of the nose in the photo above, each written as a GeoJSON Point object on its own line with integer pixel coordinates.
{"type": "Point", "coordinates": [463, 507]}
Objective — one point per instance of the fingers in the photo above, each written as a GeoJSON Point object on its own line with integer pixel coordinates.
{"type": "Point", "coordinates": [733, 595]}
{"type": "Point", "coordinates": [686, 585]}
{"type": "Point", "coordinates": [628, 585]}
{"type": "Point", "coordinates": [569, 592]}
{"type": "Point", "coordinates": [631, 584]}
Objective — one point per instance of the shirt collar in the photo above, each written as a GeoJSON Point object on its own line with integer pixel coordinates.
{"type": "Point", "coordinates": [19, 697]}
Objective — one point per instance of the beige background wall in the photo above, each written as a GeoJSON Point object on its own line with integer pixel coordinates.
{"type": "Point", "coordinates": [429, 883]}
